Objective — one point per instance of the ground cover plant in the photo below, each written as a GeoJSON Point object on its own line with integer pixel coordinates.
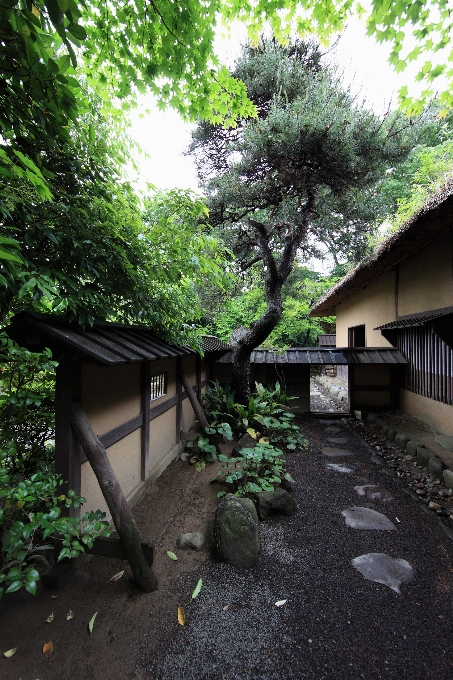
{"type": "Point", "coordinates": [266, 419]}
{"type": "Point", "coordinates": [33, 506]}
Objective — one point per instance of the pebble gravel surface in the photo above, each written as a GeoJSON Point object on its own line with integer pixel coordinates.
{"type": "Point", "coordinates": [335, 624]}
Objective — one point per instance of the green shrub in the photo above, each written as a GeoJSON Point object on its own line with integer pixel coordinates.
{"type": "Point", "coordinates": [254, 470]}
{"type": "Point", "coordinates": [30, 514]}
{"type": "Point", "coordinates": [31, 505]}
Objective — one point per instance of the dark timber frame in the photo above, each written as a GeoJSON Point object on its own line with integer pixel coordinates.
{"type": "Point", "coordinates": [75, 441]}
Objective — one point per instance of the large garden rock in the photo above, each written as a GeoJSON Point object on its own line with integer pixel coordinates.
{"type": "Point", "coordinates": [236, 532]}
{"type": "Point", "coordinates": [245, 442]}
{"type": "Point", "coordinates": [278, 501]}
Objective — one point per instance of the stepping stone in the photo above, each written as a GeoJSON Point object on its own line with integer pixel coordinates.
{"type": "Point", "coordinates": [338, 440]}
{"type": "Point", "coordinates": [339, 468]}
{"type": "Point", "coordinates": [332, 430]}
{"type": "Point", "coordinates": [333, 452]}
{"type": "Point", "coordinates": [373, 492]}
{"type": "Point", "coordinates": [381, 568]}
{"type": "Point", "coordinates": [365, 519]}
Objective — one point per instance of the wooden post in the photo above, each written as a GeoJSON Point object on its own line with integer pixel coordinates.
{"type": "Point", "coordinates": [198, 376]}
{"type": "Point", "coordinates": [113, 494]}
{"type": "Point", "coordinates": [145, 407]}
{"type": "Point", "coordinates": [179, 402]}
{"type": "Point", "coordinates": [193, 401]}
{"type": "Point", "coordinates": [67, 448]}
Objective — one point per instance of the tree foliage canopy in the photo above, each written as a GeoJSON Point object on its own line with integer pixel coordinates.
{"type": "Point", "coordinates": [129, 46]}
{"type": "Point", "coordinates": [303, 172]}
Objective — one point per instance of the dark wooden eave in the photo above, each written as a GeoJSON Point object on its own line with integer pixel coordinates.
{"type": "Point", "coordinates": [105, 343]}
{"type": "Point", "coordinates": [318, 356]}
{"type": "Point", "coordinates": [441, 321]}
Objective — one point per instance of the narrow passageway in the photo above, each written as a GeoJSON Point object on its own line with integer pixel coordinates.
{"type": "Point", "coordinates": [363, 568]}
{"type": "Point", "coordinates": [354, 522]}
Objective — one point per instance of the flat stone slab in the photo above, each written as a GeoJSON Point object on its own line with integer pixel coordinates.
{"type": "Point", "coordinates": [338, 440]}
{"type": "Point", "coordinates": [327, 422]}
{"type": "Point", "coordinates": [367, 519]}
{"type": "Point", "coordinates": [334, 452]}
{"type": "Point", "coordinates": [332, 430]}
{"type": "Point", "coordinates": [336, 467]}
{"type": "Point", "coordinates": [381, 568]}
{"type": "Point", "coordinates": [373, 493]}
{"type": "Point", "coordinates": [445, 441]}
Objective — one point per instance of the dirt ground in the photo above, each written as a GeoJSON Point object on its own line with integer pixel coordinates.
{"type": "Point", "coordinates": [334, 624]}
{"type": "Point", "coordinates": [181, 500]}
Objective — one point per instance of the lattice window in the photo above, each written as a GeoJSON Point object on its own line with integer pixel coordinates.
{"type": "Point", "coordinates": [158, 386]}
{"type": "Point", "coordinates": [429, 371]}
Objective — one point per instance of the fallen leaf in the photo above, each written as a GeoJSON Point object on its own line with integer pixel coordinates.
{"type": "Point", "coordinates": [280, 603]}
{"type": "Point", "coordinates": [225, 607]}
{"type": "Point", "coordinates": [91, 624]}
{"type": "Point", "coordinates": [50, 618]}
{"type": "Point", "coordinates": [116, 577]}
{"type": "Point", "coordinates": [172, 555]}
{"type": "Point", "coordinates": [181, 616]}
{"type": "Point", "coordinates": [196, 592]}
{"type": "Point", "coordinates": [69, 615]}
{"type": "Point", "coordinates": [10, 652]}
{"type": "Point", "coordinates": [48, 649]}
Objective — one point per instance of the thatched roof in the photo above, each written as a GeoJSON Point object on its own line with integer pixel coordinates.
{"type": "Point", "coordinates": [433, 221]}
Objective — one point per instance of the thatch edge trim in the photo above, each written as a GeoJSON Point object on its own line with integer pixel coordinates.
{"type": "Point", "coordinates": [344, 288]}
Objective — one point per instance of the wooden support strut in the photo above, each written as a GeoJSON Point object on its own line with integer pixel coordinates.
{"type": "Point", "coordinates": [121, 513]}
{"type": "Point", "coordinates": [194, 402]}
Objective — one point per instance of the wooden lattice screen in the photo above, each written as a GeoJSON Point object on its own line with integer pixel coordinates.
{"type": "Point", "coordinates": [430, 363]}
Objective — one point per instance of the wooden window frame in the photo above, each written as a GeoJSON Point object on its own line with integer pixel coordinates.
{"type": "Point", "coordinates": [158, 386]}
{"type": "Point", "coordinates": [352, 332]}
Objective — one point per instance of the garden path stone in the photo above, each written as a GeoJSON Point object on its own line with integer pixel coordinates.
{"type": "Point", "coordinates": [339, 468]}
{"type": "Point", "coordinates": [381, 568]}
{"type": "Point", "coordinates": [334, 452]}
{"type": "Point", "coordinates": [338, 440]}
{"type": "Point", "coordinates": [332, 430]}
{"type": "Point", "coordinates": [373, 492]}
{"type": "Point", "coordinates": [367, 519]}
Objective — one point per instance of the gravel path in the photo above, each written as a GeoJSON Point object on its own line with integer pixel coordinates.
{"type": "Point", "coordinates": [335, 624]}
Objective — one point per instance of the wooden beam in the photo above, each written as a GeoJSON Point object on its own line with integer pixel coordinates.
{"type": "Point", "coordinates": [116, 502]}
{"type": "Point", "coordinates": [68, 452]}
{"type": "Point", "coordinates": [194, 402]}
{"type": "Point", "coordinates": [179, 402]}
{"type": "Point", "coordinates": [198, 376]}
{"type": "Point", "coordinates": [145, 406]}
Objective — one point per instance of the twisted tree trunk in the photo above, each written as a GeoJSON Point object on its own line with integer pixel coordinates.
{"type": "Point", "coordinates": [244, 340]}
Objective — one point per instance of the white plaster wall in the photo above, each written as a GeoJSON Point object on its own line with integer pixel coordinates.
{"type": "Point", "coordinates": [435, 414]}
{"type": "Point", "coordinates": [426, 279]}
{"type": "Point", "coordinates": [124, 457]}
{"type": "Point", "coordinates": [110, 395]}
{"type": "Point", "coordinates": [373, 306]}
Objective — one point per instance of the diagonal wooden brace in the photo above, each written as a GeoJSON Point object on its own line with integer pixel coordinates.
{"type": "Point", "coordinates": [119, 509]}
{"type": "Point", "coordinates": [194, 401]}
